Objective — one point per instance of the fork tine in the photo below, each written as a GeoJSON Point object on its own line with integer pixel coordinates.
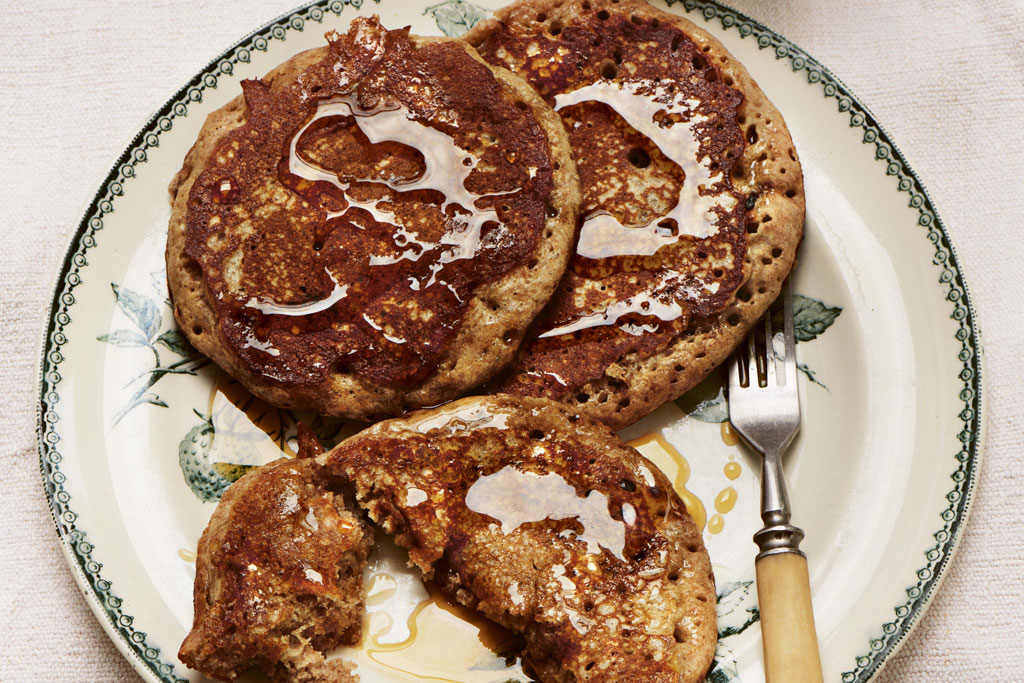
{"type": "Point", "coordinates": [790, 336]}
{"type": "Point", "coordinates": [777, 365]}
{"type": "Point", "coordinates": [770, 358]}
{"type": "Point", "coordinates": [754, 363]}
{"type": "Point", "coordinates": [735, 372]}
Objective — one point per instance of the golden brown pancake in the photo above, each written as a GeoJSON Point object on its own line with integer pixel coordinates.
{"type": "Point", "coordinates": [548, 524]}
{"type": "Point", "coordinates": [692, 210]}
{"type": "Point", "coordinates": [372, 226]}
{"type": "Point", "coordinates": [279, 578]}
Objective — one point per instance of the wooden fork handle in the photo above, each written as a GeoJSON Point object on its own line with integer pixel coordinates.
{"type": "Point", "coordinates": [787, 619]}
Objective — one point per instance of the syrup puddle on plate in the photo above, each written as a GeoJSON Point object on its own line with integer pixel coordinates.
{"type": "Point", "coordinates": [669, 460]}
{"type": "Point", "coordinates": [413, 633]}
{"type": "Point", "coordinates": [246, 430]}
{"type": "Point", "coordinates": [656, 448]}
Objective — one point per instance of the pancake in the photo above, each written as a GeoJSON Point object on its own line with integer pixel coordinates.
{"type": "Point", "coordinates": [693, 201]}
{"type": "Point", "coordinates": [548, 524]}
{"type": "Point", "coordinates": [279, 578]}
{"type": "Point", "coordinates": [372, 226]}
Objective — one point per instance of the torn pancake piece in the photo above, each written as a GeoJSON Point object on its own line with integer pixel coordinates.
{"type": "Point", "coordinates": [279, 578]}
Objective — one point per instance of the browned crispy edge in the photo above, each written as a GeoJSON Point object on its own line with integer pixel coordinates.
{"type": "Point", "coordinates": [496, 316]}
{"type": "Point", "coordinates": [636, 385]}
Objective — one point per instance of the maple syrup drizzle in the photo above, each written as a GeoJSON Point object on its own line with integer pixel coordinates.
{"type": "Point", "coordinates": [546, 373]}
{"type": "Point", "coordinates": [246, 430]}
{"type": "Point", "coordinates": [729, 435]}
{"type": "Point", "coordinates": [491, 635]}
{"type": "Point", "coordinates": [415, 496]}
{"type": "Point", "coordinates": [430, 625]}
{"type": "Point", "coordinates": [669, 121]}
{"type": "Point", "coordinates": [644, 303]}
{"type": "Point", "coordinates": [445, 166]}
{"type": "Point", "coordinates": [254, 342]}
{"type": "Point", "coordinates": [268, 306]}
{"type": "Point", "coordinates": [459, 419]}
{"type": "Point", "coordinates": [445, 171]}
{"type": "Point", "coordinates": [515, 498]}
{"type": "Point", "coordinates": [226, 191]}
{"type": "Point", "coordinates": [640, 103]}
{"type": "Point", "coordinates": [658, 450]}
{"type": "Point", "coordinates": [732, 470]}
{"type": "Point", "coordinates": [725, 500]}
{"type": "Point", "coordinates": [382, 588]}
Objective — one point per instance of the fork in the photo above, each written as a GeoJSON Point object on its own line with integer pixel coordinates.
{"type": "Point", "coordinates": [764, 408]}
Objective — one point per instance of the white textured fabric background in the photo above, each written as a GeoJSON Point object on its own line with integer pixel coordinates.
{"type": "Point", "coordinates": [77, 80]}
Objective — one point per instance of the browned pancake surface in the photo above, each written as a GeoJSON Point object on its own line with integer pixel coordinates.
{"type": "Point", "coordinates": [551, 526]}
{"type": "Point", "coordinates": [356, 235]}
{"type": "Point", "coordinates": [681, 158]}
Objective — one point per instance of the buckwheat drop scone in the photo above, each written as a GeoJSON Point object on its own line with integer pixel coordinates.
{"type": "Point", "coordinates": [693, 202]}
{"type": "Point", "coordinates": [372, 226]}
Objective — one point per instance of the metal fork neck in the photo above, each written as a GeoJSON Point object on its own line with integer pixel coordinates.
{"type": "Point", "coordinates": [778, 535]}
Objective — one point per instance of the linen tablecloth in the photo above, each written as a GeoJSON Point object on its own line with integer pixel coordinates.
{"type": "Point", "coordinates": [77, 80]}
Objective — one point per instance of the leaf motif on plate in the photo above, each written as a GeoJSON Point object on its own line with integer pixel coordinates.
{"type": "Point", "coordinates": [176, 342]}
{"type": "Point", "coordinates": [734, 617]}
{"type": "Point", "coordinates": [240, 432]}
{"type": "Point", "coordinates": [124, 338]}
{"type": "Point", "coordinates": [811, 375]}
{"type": "Point", "coordinates": [147, 316]}
{"type": "Point", "coordinates": [200, 475]}
{"type": "Point", "coordinates": [140, 309]}
{"type": "Point", "coordinates": [243, 431]}
{"type": "Point", "coordinates": [455, 17]}
{"type": "Point", "coordinates": [718, 675]}
{"type": "Point", "coordinates": [811, 317]}
{"type": "Point", "coordinates": [706, 401]}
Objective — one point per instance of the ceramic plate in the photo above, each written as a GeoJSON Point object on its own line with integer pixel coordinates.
{"type": "Point", "coordinates": [139, 435]}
